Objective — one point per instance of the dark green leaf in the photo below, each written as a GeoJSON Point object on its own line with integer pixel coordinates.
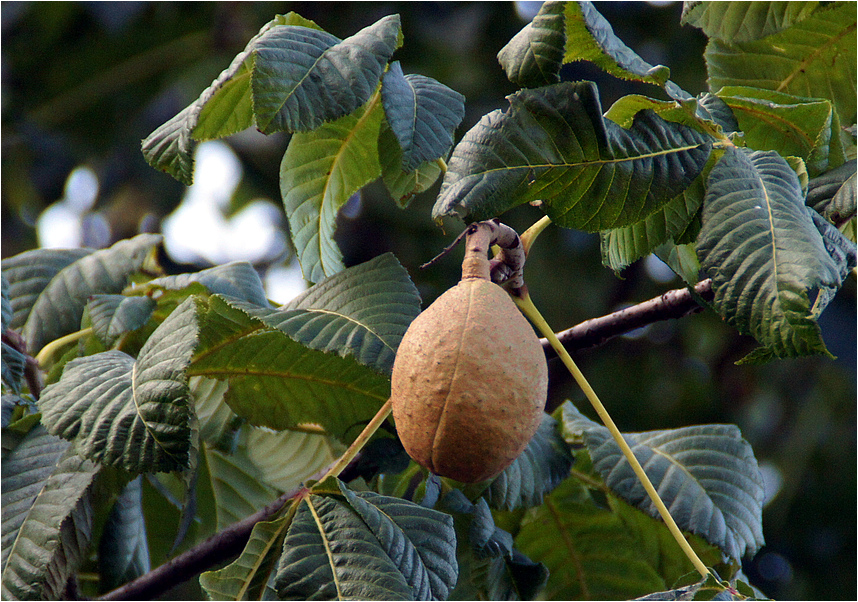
{"type": "Point", "coordinates": [363, 311]}
{"type": "Point", "coordinates": [330, 554]}
{"type": "Point", "coordinates": [553, 145]}
{"type": "Point", "coordinates": [763, 253]}
{"type": "Point", "coordinates": [114, 315]}
{"type": "Point", "coordinates": [237, 279]}
{"type": "Point", "coordinates": [543, 464]}
{"type": "Point", "coordinates": [319, 172]}
{"type": "Point", "coordinates": [224, 108]}
{"type": "Point", "coordinates": [744, 21]}
{"type": "Point", "coordinates": [833, 193]}
{"type": "Point", "coordinates": [8, 312]}
{"type": "Point", "coordinates": [842, 252]}
{"type": "Point", "coordinates": [534, 56]}
{"type": "Point", "coordinates": [29, 273]}
{"type": "Point", "coordinates": [123, 553]}
{"type": "Point", "coordinates": [420, 541]}
{"type": "Point", "coordinates": [403, 185]}
{"type": "Point", "coordinates": [277, 382]}
{"type": "Point", "coordinates": [815, 57]}
{"type": "Point", "coordinates": [423, 114]}
{"type": "Point", "coordinates": [58, 307]}
{"type": "Point", "coordinates": [706, 475]}
{"type": "Point", "coordinates": [14, 364]}
{"type": "Point", "coordinates": [47, 516]}
{"type": "Point", "coordinates": [590, 37]}
{"type": "Point", "coordinates": [133, 414]}
{"type": "Point", "coordinates": [303, 77]}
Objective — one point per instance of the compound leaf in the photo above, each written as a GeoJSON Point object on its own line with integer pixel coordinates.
{"type": "Point", "coordinates": [319, 172]}
{"type": "Point", "coordinates": [370, 547]}
{"type": "Point", "coordinates": [553, 145]}
{"type": "Point", "coordinates": [403, 185]}
{"type": "Point", "coordinates": [304, 77]}
{"type": "Point", "coordinates": [422, 113]}
{"type": "Point", "coordinates": [58, 307]}
{"type": "Point", "coordinates": [362, 311]}
{"type": "Point", "coordinates": [47, 516]}
{"type": "Point", "coordinates": [238, 485]}
{"type": "Point", "coordinates": [706, 475]}
{"type": "Point", "coordinates": [816, 57]}
{"type": "Point", "coordinates": [760, 247]}
{"type": "Point", "coordinates": [133, 414]}
{"type": "Point", "coordinates": [277, 382]}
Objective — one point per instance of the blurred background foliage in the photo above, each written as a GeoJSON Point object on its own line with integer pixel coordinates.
{"type": "Point", "coordinates": [84, 82]}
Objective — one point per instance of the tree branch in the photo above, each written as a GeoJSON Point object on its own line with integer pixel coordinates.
{"type": "Point", "coordinates": [217, 548]}
{"type": "Point", "coordinates": [672, 304]}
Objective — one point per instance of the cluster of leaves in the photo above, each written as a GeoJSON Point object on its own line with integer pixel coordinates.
{"type": "Point", "coordinates": [724, 181]}
{"type": "Point", "coordinates": [193, 393]}
{"type": "Point", "coordinates": [164, 382]}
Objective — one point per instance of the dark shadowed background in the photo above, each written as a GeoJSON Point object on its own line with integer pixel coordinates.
{"type": "Point", "coordinates": [84, 82]}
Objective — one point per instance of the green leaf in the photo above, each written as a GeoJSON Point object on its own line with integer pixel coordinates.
{"type": "Point", "coordinates": [14, 364]}
{"type": "Point", "coordinates": [706, 475]}
{"type": "Point", "coordinates": [214, 418]}
{"type": "Point", "coordinates": [114, 315]}
{"type": "Point", "coordinates": [303, 77]}
{"type": "Point", "coordinates": [793, 126]}
{"type": "Point", "coordinates": [362, 311]}
{"type": "Point", "coordinates": [277, 382]}
{"type": "Point", "coordinates": [623, 246]}
{"type": "Point", "coordinates": [58, 308]}
{"type": "Point", "coordinates": [833, 193]}
{"type": "Point", "coordinates": [123, 552]}
{"type": "Point", "coordinates": [238, 485]}
{"type": "Point", "coordinates": [842, 252]}
{"type": "Point", "coordinates": [128, 413]}
{"type": "Point", "coordinates": [816, 57]}
{"type": "Point", "coordinates": [247, 576]}
{"type": "Point", "coordinates": [370, 547]}
{"type": "Point", "coordinates": [237, 279]}
{"type": "Point", "coordinates": [403, 185]}
{"type": "Point", "coordinates": [589, 551]}
{"type": "Point", "coordinates": [553, 145]}
{"type": "Point", "coordinates": [286, 459]}
{"type": "Point", "coordinates": [534, 56]}
{"type": "Point", "coordinates": [224, 108]}
{"type": "Point", "coordinates": [47, 516]}
{"type": "Point", "coordinates": [420, 541]}
{"type": "Point", "coordinates": [29, 273]}
{"type": "Point", "coordinates": [423, 114]}
{"type": "Point", "coordinates": [319, 172]}
{"type": "Point", "coordinates": [589, 37]}
{"type": "Point", "coordinates": [543, 464]}
{"type": "Point", "coordinates": [744, 21]}
{"type": "Point", "coordinates": [763, 253]}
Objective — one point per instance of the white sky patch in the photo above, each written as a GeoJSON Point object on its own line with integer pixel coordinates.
{"type": "Point", "coordinates": [59, 226]}
{"type": "Point", "coordinates": [198, 228]}
{"type": "Point", "coordinates": [284, 283]}
{"type": "Point", "coordinates": [658, 270]}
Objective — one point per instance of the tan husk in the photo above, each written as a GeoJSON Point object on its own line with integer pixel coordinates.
{"type": "Point", "coordinates": [469, 382]}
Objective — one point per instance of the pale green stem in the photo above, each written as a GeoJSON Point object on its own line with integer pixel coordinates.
{"type": "Point", "coordinates": [531, 233]}
{"type": "Point", "coordinates": [51, 348]}
{"type": "Point", "coordinates": [442, 164]}
{"type": "Point", "coordinates": [527, 307]}
{"type": "Point", "coordinates": [357, 444]}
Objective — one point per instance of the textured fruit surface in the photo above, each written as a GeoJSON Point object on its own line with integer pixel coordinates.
{"type": "Point", "coordinates": [469, 383]}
